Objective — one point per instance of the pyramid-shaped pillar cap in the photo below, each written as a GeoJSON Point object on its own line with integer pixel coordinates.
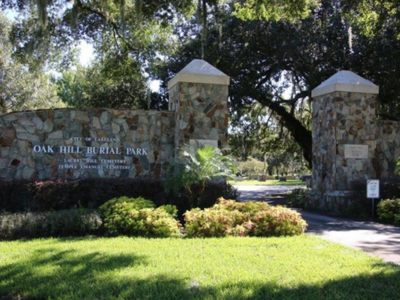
{"type": "Point", "coordinates": [345, 81]}
{"type": "Point", "coordinates": [199, 71]}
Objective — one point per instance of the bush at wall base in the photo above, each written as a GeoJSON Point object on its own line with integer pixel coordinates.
{"type": "Point", "coordinates": [389, 189]}
{"type": "Point", "coordinates": [297, 198]}
{"type": "Point", "coordinates": [388, 211]}
{"type": "Point", "coordinates": [231, 218]}
{"type": "Point", "coordinates": [63, 223]}
{"type": "Point", "coordinates": [138, 217]}
{"type": "Point", "coordinates": [125, 217]}
{"type": "Point", "coordinates": [23, 195]}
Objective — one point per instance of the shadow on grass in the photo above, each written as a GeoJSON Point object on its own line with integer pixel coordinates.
{"type": "Point", "coordinates": [50, 273]}
{"type": "Point", "coordinates": [54, 274]}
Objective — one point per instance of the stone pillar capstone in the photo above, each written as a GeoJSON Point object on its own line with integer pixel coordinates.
{"type": "Point", "coordinates": [198, 95]}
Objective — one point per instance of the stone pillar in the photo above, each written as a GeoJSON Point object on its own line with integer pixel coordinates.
{"type": "Point", "coordinates": [344, 136]}
{"type": "Point", "coordinates": [199, 97]}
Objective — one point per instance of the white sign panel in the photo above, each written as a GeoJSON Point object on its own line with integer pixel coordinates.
{"type": "Point", "coordinates": [356, 151]}
{"type": "Point", "coordinates": [372, 188]}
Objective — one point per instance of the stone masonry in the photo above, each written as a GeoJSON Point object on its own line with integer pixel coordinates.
{"type": "Point", "coordinates": [109, 143]}
{"type": "Point", "coordinates": [349, 143]}
{"type": "Point", "coordinates": [200, 104]}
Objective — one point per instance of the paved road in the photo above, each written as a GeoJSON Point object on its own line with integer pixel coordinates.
{"type": "Point", "coordinates": [272, 194]}
{"type": "Point", "coordinates": [374, 238]}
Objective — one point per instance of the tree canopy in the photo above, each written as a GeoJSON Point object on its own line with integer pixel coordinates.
{"type": "Point", "coordinates": [21, 89]}
{"type": "Point", "coordinates": [265, 58]}
{"type": "Point", "coordinates": [127, 36]}
{"type": "Point", "coordinates": [273, 10]}
{"type": "Point", "coordinates": [373, 17]}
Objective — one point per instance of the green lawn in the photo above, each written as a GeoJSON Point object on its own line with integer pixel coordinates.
{"type": "Point", "coordinates": [302, 267]}
{"type": "Point", "coordinates": [268, 182]}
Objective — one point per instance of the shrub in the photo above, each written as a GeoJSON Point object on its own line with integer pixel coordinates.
{"type": "Point", "coordinates": [158, 223]}
{"type": "Point", "coordinates": [197, 168]}
{"type": "Point", "coordinates": [278, 221]}
{"type": "Point", "coordinates": [389, 211]}
{"type": "Point", "coordinates": [23, 195]}
{"type": "Point", "coordinates": [131, 203]}
{"type": "Point", "coordinates": [207, 222]}
{"type": "Point", "coordinates": [171, 210]}
{"type": "Point", "coordinates": [242, 219]}
{"type": "Point", "coordinates": [251, 207]}
{"type": "Point", "coordinates": [73, 222]}
{"type": "Point", "coordinates": [214, 191]}
{"type": "Point", "coordinates": [297, 198]}
{"type": "Point", "coordinates": [389, 188]}
{"type": "Point", "coordinates": [138, 217]}
{"type": "Point", "coordinates": [14, 195]}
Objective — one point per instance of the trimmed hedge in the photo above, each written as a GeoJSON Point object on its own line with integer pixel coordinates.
{"type": "Point", "coordinates": [63, 223]}
{"type": "Point", "coordinates": [18, 195]}
{"type": "Point", "coordinates": [21, 195]}
{"type": "Point", "coordinates": [389, 188]}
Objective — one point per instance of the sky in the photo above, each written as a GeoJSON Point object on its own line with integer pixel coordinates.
{"type": "Point", "coordinates": [86, 53]}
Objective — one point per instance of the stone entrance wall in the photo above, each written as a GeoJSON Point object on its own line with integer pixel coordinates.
{"type": "Point", "coordinates": [349, 143]}
{"type": "Point", "coordinates": [108, 143]}
{"type": "Point", "coordinates": [68, 143]}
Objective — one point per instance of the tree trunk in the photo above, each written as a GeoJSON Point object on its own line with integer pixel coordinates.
{"type": "Point", "coordinates": [204, 30]}
{"type": "Point", "coordinates": [202, 187]}
{"type": "Point", "coordinates": [189, 194]}
{"type": "Point", "coordinates": [301, 134]}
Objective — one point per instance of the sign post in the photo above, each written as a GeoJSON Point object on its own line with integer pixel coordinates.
{"type": "Point", "coordinates": [373, 192]}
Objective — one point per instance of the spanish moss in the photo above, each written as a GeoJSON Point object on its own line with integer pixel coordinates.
{"type": "Point", "coordinates": [42, 13]}
{"type": "Point", "coordinates": [122, 13]}
{"type": "Point", "coordinates": [138, 8]}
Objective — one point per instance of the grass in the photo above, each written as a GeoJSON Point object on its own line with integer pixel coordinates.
{"type": "Point", "coordinates": [302, 267]}
{"type": "Point", "coordinates": [268, 182]}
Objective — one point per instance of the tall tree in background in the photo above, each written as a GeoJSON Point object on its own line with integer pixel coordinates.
{"type": "Point", "coordinates": [113, 82]}
{"type": "Point", "coordinates": [272, 10]}
{"type": "Point", "coordinates": [127, 37]}
{"type": "Point", "coordinates": [258, 134]}
{"type": "Point", "coordinates": [266, 58]}
{"type": "Point", "coordinates": [252, 56]}
{"type": "Point", "coordinates": [138, 32]}
{"type": "Point", "coordinates": [373, 17]}
{"type": "Point", "coordinates": [21, 89]}
{"type": "Point", "coordinates": [138, 27]}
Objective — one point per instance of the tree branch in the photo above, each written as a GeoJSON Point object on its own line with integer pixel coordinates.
{"type": "Point", "coordinates": [106, 19]}
{"type": "Point", "coordinates": [299, 132]}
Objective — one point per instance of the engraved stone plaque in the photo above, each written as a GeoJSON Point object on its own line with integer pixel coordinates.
{"type": "Point", "coordinates": [356, 151]}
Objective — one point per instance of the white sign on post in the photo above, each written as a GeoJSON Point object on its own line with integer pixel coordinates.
{"type": "Point", "coordinates": [372, 188]}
